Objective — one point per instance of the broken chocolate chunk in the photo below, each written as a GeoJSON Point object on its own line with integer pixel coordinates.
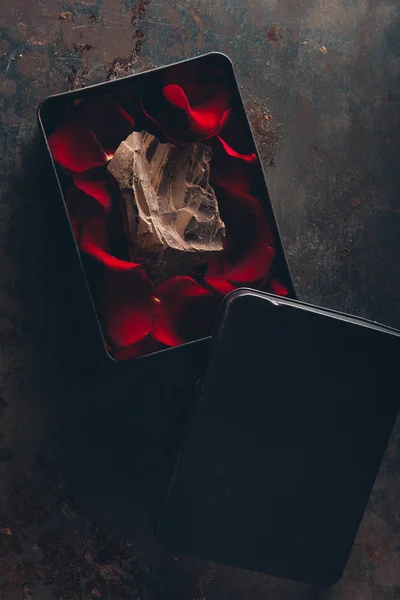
{"type": "Point", "coordinates": [170, 210]}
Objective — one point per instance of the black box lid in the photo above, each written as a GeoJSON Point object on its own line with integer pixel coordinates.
{"type": "Point", "coordinates": [293, 417]}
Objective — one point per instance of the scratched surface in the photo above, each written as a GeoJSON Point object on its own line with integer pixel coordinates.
{"type": "Point", "coordinates": [84, 459]}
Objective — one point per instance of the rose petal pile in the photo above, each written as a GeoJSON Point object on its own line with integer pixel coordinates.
{"type": "Point", "coordinates": [136, 316]}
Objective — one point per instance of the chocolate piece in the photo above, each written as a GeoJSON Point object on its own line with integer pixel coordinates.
{"type": "Point", "coordinates": [170, 210]}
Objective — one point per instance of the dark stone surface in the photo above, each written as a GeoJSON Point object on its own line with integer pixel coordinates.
{"type": "Point", "coordinates": [88, 456]}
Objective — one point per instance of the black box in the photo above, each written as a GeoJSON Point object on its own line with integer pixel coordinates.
{"type": "Point", "coordinates": [84, 126]}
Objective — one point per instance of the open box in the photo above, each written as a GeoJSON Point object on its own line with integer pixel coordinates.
{"type": "Point", "coordinates": [197, 100]}
{"type": "Point", "coordinates": [275, 471]}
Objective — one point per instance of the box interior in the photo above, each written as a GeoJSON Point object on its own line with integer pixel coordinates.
{"type": "Point", "coordinates": [194, 101]}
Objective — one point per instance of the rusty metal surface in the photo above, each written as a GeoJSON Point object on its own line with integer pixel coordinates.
{"type": "Point", "coordinates": [84, 460]}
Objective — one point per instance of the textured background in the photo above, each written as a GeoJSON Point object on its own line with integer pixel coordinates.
{"type": "Point", "coordinates": [84, 459]}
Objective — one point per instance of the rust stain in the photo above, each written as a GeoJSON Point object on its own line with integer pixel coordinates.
{"type": "Point", "coordinates": [197, 19]}
{"type": "Point", "coordinates": [65, 15]}
{"type": "Point", "coordinates": [35, 42]}
{"type": "Point", "coordinates": [82, 47]}
{"type": "Point", "coordinates": [200, 26]}
{"type": "Point", "coordinates": [139, 10]}
{"type": "Point", "coordinates": [204, 582]}
{"type": "Point", "coordinates": [376, 552]}
{"type": "Point", "coordinates": [128, 41]}
{"type": "Point", "coordinates": [267, 137]}
{"type": "Point", "coordinates": [27, 592]}
{"type": "Point", "coordinates": [121, 66]}
{"type": "Point", "coordinates": [94, 591]}
{"type": "Point", "coordinates": [76, 78]}
{"type": "Point", "coordinates": [6, 531]}
{"type": "Point", "coordinates": [345, 253]}
{"type": "Point", "coordinates": [276, 33]}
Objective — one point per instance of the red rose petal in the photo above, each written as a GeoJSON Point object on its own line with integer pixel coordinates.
{"type": "Point", "coordinates": [127, 99]}
{"type": "Point", "coordinates": [248, 246]}
{"type": "Point", "coordinates": [250, 158]}
{"type": "Point", "coordinates": [187, 312]}
{"type": "Point", "coordinates": [208, 109]}
{"type": "Point", "coordinates": [146, 346]}
{"type": "Point", "coordinates": [91, 229]}
{"type": "Point", "coordinates": [234, 176]}
{"type": "Point", "coordinates": [275, 286]}
{"type": "Point", "coordinates": [90, 134]}
{"type": "Point", "coordinates": [128, 308]}
{"type": "Point", "coordinates": [175, 94]}
{"type": "Point", "coordinates": [95, 184]}
{"type": "Point", "coordinates": [125, 115]}
{"type": "Point", "coordinates": [94, 241]}
{"type": "Point", "coordinates": [75, 147]}
{"type": "Point", "coordinates": [109, 121]}
{"type": "Point", "coordinates": [225, 118]}
{"type": "Point", "coordinates": [81, 205]}
{"type": "Point", "coordinates": [220, 285]}
{"type": "Point", "coordinates": [169, 138]}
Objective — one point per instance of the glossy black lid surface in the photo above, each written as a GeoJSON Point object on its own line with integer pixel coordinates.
{"type": "Point", "coordinates": [293, 417]}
